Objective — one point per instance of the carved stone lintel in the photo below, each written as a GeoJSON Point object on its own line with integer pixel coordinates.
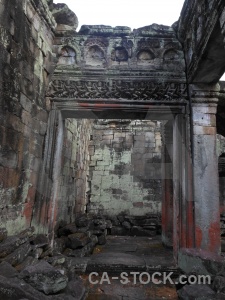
{"type": "Point", "coordinates": [130, 90]}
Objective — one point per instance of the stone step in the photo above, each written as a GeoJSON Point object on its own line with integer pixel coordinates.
{"type": "Point", "coordinates": [116, 263]}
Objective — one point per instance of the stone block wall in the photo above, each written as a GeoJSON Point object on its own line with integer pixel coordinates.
{"type": "Point", "coordinates": [125, 167]}
{"type": "Point", "coordinates": [75, 169]}
{"type": "Point", "coordinates": [26, 64]}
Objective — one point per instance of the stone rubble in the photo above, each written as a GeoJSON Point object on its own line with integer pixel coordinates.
{"type": "Point", "coordinates": [34, 276]}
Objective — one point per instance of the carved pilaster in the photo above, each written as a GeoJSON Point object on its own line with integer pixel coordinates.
{"type": "Point", "coordinates": [205, 167]}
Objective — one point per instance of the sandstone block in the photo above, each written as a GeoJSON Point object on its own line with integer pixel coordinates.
{"type": "Point", "coordinates": [77, 240]}
{"type": "Point", "coordinates": [196, 291]}
{"type": "Point", "coordinates": [68, 229]}
{"type": "Point", "coordinates": [18, 256]}
{"type": "Point", "coordinates": [44, 278]}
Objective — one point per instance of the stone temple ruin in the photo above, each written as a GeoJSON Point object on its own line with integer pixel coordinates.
{"type": "Point", "coordinates": [110, 136]}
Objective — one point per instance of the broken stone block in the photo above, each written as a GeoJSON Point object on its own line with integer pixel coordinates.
{"type": "Point", "coordinates": [10, 244]}
{"type": "Point", "coordinates": [85, 230]}
{"type": "Point", "coordinates": [76, 289]}
{"type": "Point", "coordinates": [83, 221]}
{"type": "Point", "coordinates": [219, 284]}
{"type": "Point", "coordinates": [60, 244]}
{"type": "Point", "coordinates": [29, 261]}
{"type": "Point", "coordinates": [76, 265]}
{"type": "Point", "coordinates": [48, 252]}
{"type": "Point", "coordinates": [19, 255]}
{"type": "Point", "coordinates": [37, 252]}
{"type": "Point", "coordinates": [40, 241]}
{"type": "Point", "coordinates": [196, 292]}
{"type": "Point", "coordinates": [126, 225]}
{"type": "Point", "coordinates": [56, 260]}
{"type": "Point", "coordinates": [7, 270]}
{"type": "Point", "coordinates": [75, 253]}
{"type": "Point", "coordinates": [44, 278]}
{"type": "Point", "coordinates": [15, 289]}
{"type": "Point", "coordinates": [86, 250]}
{"type": "Point", "coordinates": [66, 230]}
{"type": "Point", "coordinates": [77, 240]}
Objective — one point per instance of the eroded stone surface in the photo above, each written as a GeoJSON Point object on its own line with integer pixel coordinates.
{"type": "Point", "coordinates": [44, 277]}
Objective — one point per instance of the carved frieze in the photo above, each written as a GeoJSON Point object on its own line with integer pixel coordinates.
{"type": "Point", "coordinates": [120, 89]}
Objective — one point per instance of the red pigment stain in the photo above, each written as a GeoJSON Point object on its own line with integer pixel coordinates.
{"type": "Point", "coordinates": [214, 237]}
{"type": "Point", "coordinates": [28, 208]}
{"type": "Point", "coordinates": [190, 219]}
{"type": "Point", "coordinates": [198, 237]}
{"type": "Point", "coordinates": [27, 212]}
{"type": "Point", "coordinates": [43, 213]}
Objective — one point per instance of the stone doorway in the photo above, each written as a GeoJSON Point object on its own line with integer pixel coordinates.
{"type": "Point", "coordinates": [175, 181]}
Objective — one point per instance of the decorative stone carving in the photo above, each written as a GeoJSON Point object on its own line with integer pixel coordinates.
{"type": "Point", "coordinates": [145, 57]}
{"type": "Point", "coordinates": [119, 54]}
{"type": "Point", "coordinates": [148, 43]}
{"type": "Point", "coordinates": [100, 42]}
{"type": "Point", "coordinates": [171, 54]}
{"type": "Point", "coordinates": [95, 56]}
{"type": "Point", "coordinates": [131, 90]}
{"type": "Point", "coordinates": [67, 56]}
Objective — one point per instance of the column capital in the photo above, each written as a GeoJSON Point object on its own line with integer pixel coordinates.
{"type": "Point", "coordinates": [204, 93]}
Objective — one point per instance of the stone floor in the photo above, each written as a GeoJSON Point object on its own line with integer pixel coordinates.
{"type": "Point", "coordinates": [129, 254]}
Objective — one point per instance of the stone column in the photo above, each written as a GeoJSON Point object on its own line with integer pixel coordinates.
{"type": "Point", "coordinates": [205, 167]}
{"type": "Point", "coordinates": [167, 185]}
{"type": "Point", "coordinates": [45, 206]}
{"type": "Point", "coordinates": [183, 219]}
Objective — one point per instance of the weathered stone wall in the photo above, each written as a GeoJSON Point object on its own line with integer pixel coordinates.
{"type": "Point", "coordinates": [201, 23]}
{"type": "Point", "coordinates": [125, 169]}
{"type": "Point", "coordinates": [75, 168]}
{"type": "Point", "coordinates": [26, 63]}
